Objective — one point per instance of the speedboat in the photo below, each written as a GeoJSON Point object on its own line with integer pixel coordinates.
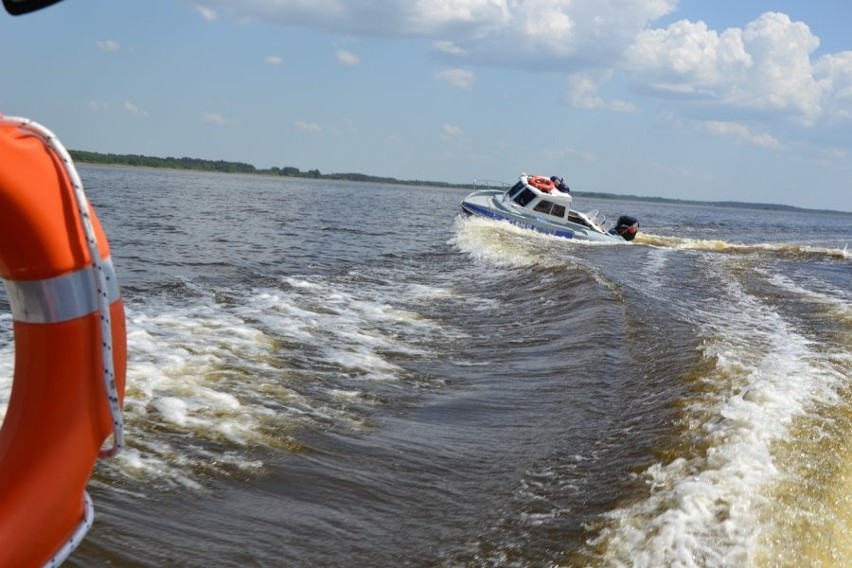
{"type": "Point", "coordinates": [534, 202]}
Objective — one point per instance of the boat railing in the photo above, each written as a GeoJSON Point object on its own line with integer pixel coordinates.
{"type": "Point", "coordinates": [490, 184]}
{"type": "Point", "coordinates": [597, 218]}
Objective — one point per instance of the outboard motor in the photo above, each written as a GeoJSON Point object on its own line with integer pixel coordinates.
{"type": "Point", "coordinates": [626, 227]}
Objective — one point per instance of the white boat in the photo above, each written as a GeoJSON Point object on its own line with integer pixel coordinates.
{"type": "Point", "coordinates": [534, 202]}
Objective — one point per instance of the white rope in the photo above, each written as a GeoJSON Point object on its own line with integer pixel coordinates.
{"type": "Point", "coordinates": [101, 274]}
{"type": "Point", "coordinates": [78, 535]}
{"type": "Point", "coordinates": [52, 142]}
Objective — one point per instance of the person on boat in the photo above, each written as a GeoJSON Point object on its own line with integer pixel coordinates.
{"type": "Point", "coordinates": [560, 184]}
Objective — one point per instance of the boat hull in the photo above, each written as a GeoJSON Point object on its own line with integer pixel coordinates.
{"type": "Point", "coordinates": [490, 205]}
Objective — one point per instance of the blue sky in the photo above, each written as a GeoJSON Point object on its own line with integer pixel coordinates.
{"type": "Point", "coordinates": [722, 100]}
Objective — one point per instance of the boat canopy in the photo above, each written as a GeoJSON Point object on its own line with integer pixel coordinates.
{"type": "Point", "coordinates": [553, 202]}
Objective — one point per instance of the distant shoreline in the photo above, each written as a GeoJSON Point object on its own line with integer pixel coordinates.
{"type": "Point", "coordinates": [222, 166]}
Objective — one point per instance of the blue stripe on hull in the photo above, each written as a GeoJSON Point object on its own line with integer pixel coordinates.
{"type": "Point", "coordinates": [483, 212]}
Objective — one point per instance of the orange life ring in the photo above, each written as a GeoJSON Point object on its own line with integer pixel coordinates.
{"type": "Point", "coordinates": [541, 183]}
{"type": "Point", "coordinates": [58, 414]}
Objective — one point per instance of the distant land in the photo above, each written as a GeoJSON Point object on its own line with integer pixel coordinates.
{"type": "Point", "coordinates": [223, 166]}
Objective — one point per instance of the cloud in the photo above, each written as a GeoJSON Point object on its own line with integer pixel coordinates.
{"type": "Point", "coordinates": [97, 106]}
{"type": "Point", "coordinates": [378, 17]}
{"type": "Point", "coordinates": [108, 45]}
{"type": "Point", "coordinates": [213, 118]}
{"type": "Point", "coordinates": [764, 140]}
{"type": "Point", "coordinates": [550, 35]}
{"type": "Point", "coordinates": [583, 93]}
{"type": "Point", "coordinates": [347, 58]}
{"type": "Point", "coordinates": [273, 60]}
{"type": "Point", "coordinates": [834, 71]}
{"type": "Point", "coordinates": [308, 126]}
{"type": "Point", "coordinates": [449, 48]}
{"type": "Point", "coordinates": [741, 133]}
{"type": "Point", "coordinates": [461, 78]}
{"type": "Point", "coordinates": [127, 106]}
{"type": "Point", "coordinates": [219, 119]}
{"type": "Point", "coordinates": [133, 109]}
{"type": "Point", "coordinates": [690, 56]}
{"type": "Point", "coordinates": [782, 76]}
{"type": "Point", "coordinates": [767, 67]}
{"type": "Point", "coordinates": [451, 130]}
{"type": "Point", "coordinates": [206, 12]}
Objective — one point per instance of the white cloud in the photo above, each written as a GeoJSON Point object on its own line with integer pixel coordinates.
{"type": "Point", "coordinates": [347, 58]}
{"type": "Point", "coordinates": [720, 128]}
{"type": "Point", "coordinates": [434, 14]}
{"type": "Point", "coordinates": [741, 133]}
{"type": "Point", "coordinates": [274, 60]}
{"type": "Point", "coordinates": [133, 109]}
{"type": "Point", "coordinates": [767, 67]}
{"type": "Point", "coordinates": [781, 79]}
{"type": "Point", "coordinates": [461, 78]}
{"type": "Point", "coordinates": [448, 47]}
{"type": "Point", "coordinates": [451, 130]}
{"type": "Point", "coordinates": [834, 73]}
{"type": "Point", "coordinates": [764, 140]}
{"type": "Point", "coordinates": [213, 118]}
{"type": "Point", "coordinates": [583, 93]}
{"type": "Point", "coordinates": [97, 106]}
{"type": "Point", "coordinates": [764, 68]}
{"type": "Point", "coordinates": [465, 22]}
{"type": "Point", "coordinates": [108, 45]}
{"type": "Point", "coordinates": [308, 126]}
{"type": "Point", "coordinates": [688, 57]}
{"type": "Point", "coordinates": [835, 154]}
{"type": "Point", "coordinates": [219, 119]}
{"type": "Point", "coordinates": [206, 12]}
{"type": "Point", "coordinates": [378, 17]}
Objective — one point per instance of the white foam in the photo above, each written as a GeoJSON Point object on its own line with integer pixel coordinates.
{"type": "Point", "coordinates": [203, 374]}
{"type": "Point", "coordinates": [709, 509]}
{"type": "Point", "coordinates": [718, 245]}
{"type": "Point", "coordinates": [836, 299]}
{"type": "Point", "coordinates": [499, 243]}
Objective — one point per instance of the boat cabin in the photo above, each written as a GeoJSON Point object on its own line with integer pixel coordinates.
{"type": "Point", "coordinates": [552, 203]}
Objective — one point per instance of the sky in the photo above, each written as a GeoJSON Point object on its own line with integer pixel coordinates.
{"type": "Point", "coordinates": [727, 100]}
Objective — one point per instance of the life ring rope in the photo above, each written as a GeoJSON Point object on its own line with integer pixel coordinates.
{"type": "Point", "coordinates": [103, 273]}
{"type": "Point", "coordinates": [106, 290]}
{"type": "Point", "coordinates": [77, 537]}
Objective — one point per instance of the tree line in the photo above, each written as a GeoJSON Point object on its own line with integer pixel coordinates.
{"type": "Point", "coordinates": [154, 162]}
{"type": "Point", "coordinates": [235, 167]}
{"type": "Point", "coordinates": [293, 172]}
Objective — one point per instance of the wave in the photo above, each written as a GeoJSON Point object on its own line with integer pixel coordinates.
{"type": "Point", "coordinates": [756, 469]}
{"type": "Point", "coordinates": [503, 245]}
{"type": "Point", "coordinates": [715, 245]}
{"type": "Point", "coordinates": [240, 370]}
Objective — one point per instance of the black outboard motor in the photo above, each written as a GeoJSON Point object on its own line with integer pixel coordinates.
{"type": "Point", "coordinates": [626, 227]}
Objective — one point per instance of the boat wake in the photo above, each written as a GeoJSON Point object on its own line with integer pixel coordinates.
{"type": "Point", "coordinates": [792, 250]}
{"type": "Point", "coordinates": [769, 407]}
{"type": "Point", "coordinates": [503, 245]}
{"type": "Point", "coordinates": [500, 244]}
{"type": "Point", "coordinates": [243, 373]}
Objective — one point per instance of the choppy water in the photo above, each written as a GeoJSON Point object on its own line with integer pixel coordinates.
{"type": "Point", "coordinates": [334, 374]}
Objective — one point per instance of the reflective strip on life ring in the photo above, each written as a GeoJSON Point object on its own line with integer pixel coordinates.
{"type": "Point", "coordinates": [541, 183]}
{"type": "Point", "coordinates": [58, 299]}
{"type": "Point", "coordinates": [58, 415]}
